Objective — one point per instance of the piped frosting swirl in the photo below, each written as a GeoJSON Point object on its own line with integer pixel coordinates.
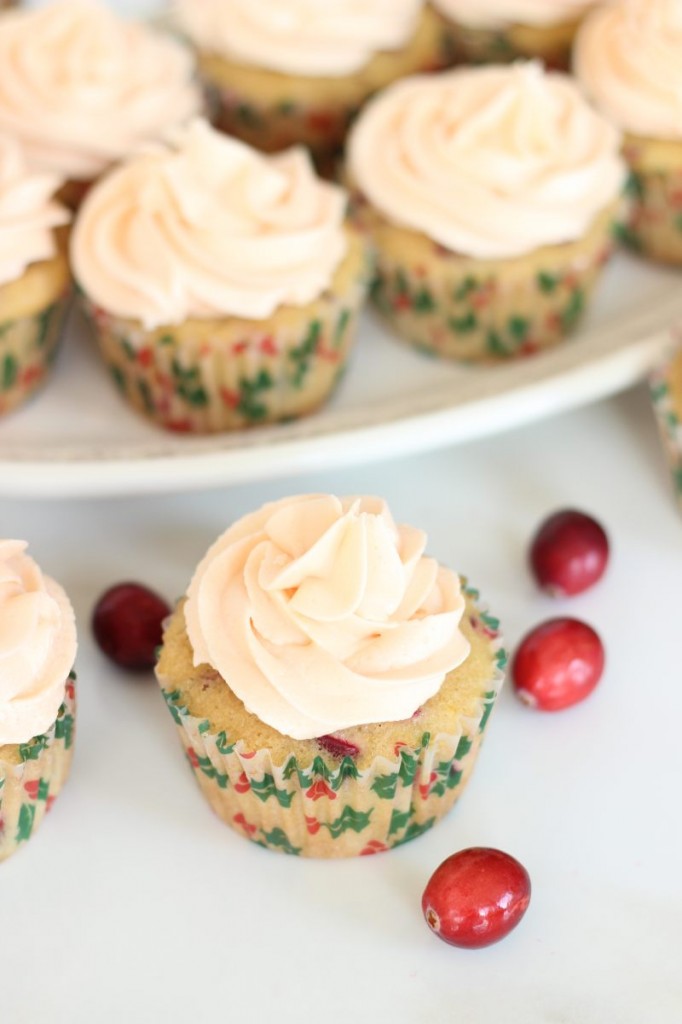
{"type": "Point", "coordinates": [37, 645]}
{"type": "Point", "coordinates": [628, 57]}
{"type": "Point", "coordinates": [321, 614]}
{"type": "Point", "coordinates": [489, 162]}
{"type": "Point", "coordinates": [205, 226]}
{"type": "Point", "coordinates": [81, 87]}
{"type": "Point", "coordinates": [329, 38]}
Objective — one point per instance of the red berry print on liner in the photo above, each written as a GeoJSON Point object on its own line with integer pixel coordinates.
{"type": "Point", "coordinates": [476, 897]}
{"type": "Point", "coordinates": [558, 664]}
{"type": "Point", "coordinates": [128, 625]}
{"type": "Point", "coordinates": [569, 553]}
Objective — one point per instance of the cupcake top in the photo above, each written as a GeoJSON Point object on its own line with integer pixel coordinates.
{"type": "Point", "coordinates": [28, 214]}
{"type": "Point", "coordinates": [498, 13]}
{"type": "Point", "coordinates": [489, 162]}
{"type": "Point", "coordinates": [81, 87]}
{"type": "Point", "coordinates": [321, 614]}
{"type": "Point", "coordinates": [628, 56]}
{"type": "Point", "coordinates": [204, 226]}
{"type": "Point", "coordinates": [329, 38]}
{"type": "Point", "coordinates": [37, 645]}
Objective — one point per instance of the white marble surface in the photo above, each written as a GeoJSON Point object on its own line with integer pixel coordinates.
{"type": "Point", "coordinates": [134, 904]}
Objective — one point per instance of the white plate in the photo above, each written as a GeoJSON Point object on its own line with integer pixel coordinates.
{"type": "Point", "coordinates": [80, 439]}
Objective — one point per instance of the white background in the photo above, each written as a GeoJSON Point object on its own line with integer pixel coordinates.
{"type": "Point", "coordinates": [134, 904]}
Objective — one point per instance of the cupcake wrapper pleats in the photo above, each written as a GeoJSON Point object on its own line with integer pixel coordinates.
{"type": "Point", "coordinates": [666, 394]}
{"type": "Point", "coordinates": [28, 348]}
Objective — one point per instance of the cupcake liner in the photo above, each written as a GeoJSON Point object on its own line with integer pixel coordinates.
{"type": "Point", "coordinates": [28, 348]}
{"type": "Point", "coordinates": [32, 775]}
{"type": "Point", "coordinates": [331, 808]}
{"type": "Point", "coordinates": [551, 44]}
{"type": "Point", "coordinates": [666, 395]}
{"type": "Point", "coordinates": [211, 376]}
{"type": "Point", "coordinates": [483, 310]}
{"type": "Point", "coordinates": [654, 225]}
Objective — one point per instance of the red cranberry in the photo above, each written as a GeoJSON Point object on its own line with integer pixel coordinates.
{"type": "Point", "coordinates": [476, 897]}
{"type": "Point", "coordinates": [128, 625]}
{"type": "Point", "coordinates": [569, 553]}
{"type": "Point", "coordinates": [558, 664]}
{"type": "Point", "coordinates": [338, 747]}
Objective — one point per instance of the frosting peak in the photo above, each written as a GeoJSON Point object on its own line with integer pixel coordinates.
{"type": "Point", "coordinates": [28, 215]}
{"type": "Point", "coordinates": [628, 56]}
{"type": "Point", "coordinates": [37, 645]}
{"type": "Point", "coordinates": [489, 162]}
{"type": "Point", "coordinates": [498, 13]}
{"type": "Point", "coordinates": [81, 87]}
{"type": "Point", "coordinates": [300, 37]}
{"type": "Point", "coordinates": [206, 227]}
{"type": "Point", "coordinates": [321, 614]}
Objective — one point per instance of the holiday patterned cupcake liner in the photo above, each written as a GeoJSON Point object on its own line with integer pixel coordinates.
{"type": "Point", "coordinates": [28, 348]}
{"type": "Point", "coordinates": [654, 225]}
{"type": "Point", "coordinates": [32, 775]}
{"type": "Point", "coordinates": [482, 311]}
{"type": "Point", "coordinates": [332, 808]}
{"type": "Point", "coordinates": [212, 376]}
{"type": "Point", "coordinates": [666, 395]}
{"type": "Point", "coordinates": [552, 44]}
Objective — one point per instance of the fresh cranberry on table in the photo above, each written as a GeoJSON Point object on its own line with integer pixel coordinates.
{"type": "Point", "coordinates": [569, 553]}
{"type": "Point", "coordinates": [558, 664]}
{"type": "Point", "coordinates": [476, 897]}
{"type": "Point", "coordinates": [128, 624]}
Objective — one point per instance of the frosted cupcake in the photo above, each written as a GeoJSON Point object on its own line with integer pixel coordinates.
{"type": "Point", "coordinates": [489, 194]}
{"type": "Point", "coordinates": [287, 72]}
{"type": "Point", "coordinates": [223, 285]}
{"type": "Point", "coordinates": [330, 683]}
{"type": "Point", "coordinates": [498, 31]}
{"type": "Point", "coordinates": [37, 696]}
{"type": "Point", "coordinates": [81, 88]}
{"type": "Point", "coordinates": [628, 57]}
{"type": "Point", "coordinates": [34, 275]}
{"type": "Point", "coordinates": [666, 395]}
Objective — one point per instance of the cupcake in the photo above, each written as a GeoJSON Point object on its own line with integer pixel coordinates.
{"type": "Point", "coordinates": [223, 285]}
{"type": "Point", "coordinates": [628, 57]}
{"type": "Point", "coordinates": [489, 194]}
{"type": "Point", "coordinates": [329, 682]}
{"type": "Point", "coordinates": [37, 697]}
{"type": "Point", "coordinates": [287, 72]}
{"type": "Point", "coordinates": [81, 88]}
{"type": "Point", "coordinates": [34, 275]}
{"type": "Point", "coordinates": [498, 31]}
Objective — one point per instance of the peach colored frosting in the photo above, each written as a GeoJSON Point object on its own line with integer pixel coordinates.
{"type": "Point", "coordinates": [37, 645]}
{"type": "Point", "coordinates": [81, 87]}
{"type": "Point", "coordinates": [208, 227]}
{"type": "Point", "coordinates": [497, 13]}
{"type": "Point", "coordinates": [490, 162]}
{"type": "Point", "coordinates": [628, 57]}
{"type": "Point", "coordinates": [300, 37]}
{"type": "Point", "coordinates": [321, 614]}
{"type": "Point", "coordinates": [28, 215]}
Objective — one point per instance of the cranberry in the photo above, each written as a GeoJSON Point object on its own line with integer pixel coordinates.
{"type": "Point", "coordinates": [558, 664]}
{"type": "Point", "coordinates": [569, 553]}
{"type": "Point", "coordinates": [476, 897]}
{"type": "Point", "coordinates": [128, 624]}
{"type": "Point", "coordinates": [338, 747]}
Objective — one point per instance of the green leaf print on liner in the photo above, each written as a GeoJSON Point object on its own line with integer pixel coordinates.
{"type": "Point", "coordinates": [463, 324]}
{"type": "Point", "coordinates": [574, 309]}
{"type": "Point", "coordinates": [25, 824]}
{"type": "Point", "coordinates": [249, 405]}
{"type": "Point", "coordinates": [10, 372]}
{"type": "Point", "coordinates": [267, 788]}
{"type": "Point", "coordinates": [357, 821]}
{"type": "Point", "coordinates": [278, 839]}
{"type": "Point", "coordinates": [547, 283]}
{"type": "Point", "coordinates": [399, 821]}
{"type": "Point", "coordinates": [302, 354]}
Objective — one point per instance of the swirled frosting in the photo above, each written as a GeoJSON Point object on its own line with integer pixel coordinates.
{"type": "Point", "coordinates": [490, 162]}
{"type": "Point", "coordinates": [37, 645]}
{"type": "Point", "coordinates": [28, 215]}
{"type": "Point", "coordinates": [300, 37]}
{"type": "Point", "coordinates": [498, 13]}
{"type": "Point", "coordinates": [206, 227]}
{"type": "Point", "coordinates": [628, 56]}
{"type": "Point", "coordinates": [81, 87]}
{"type": "Point", "coordinates": [321, 614]}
